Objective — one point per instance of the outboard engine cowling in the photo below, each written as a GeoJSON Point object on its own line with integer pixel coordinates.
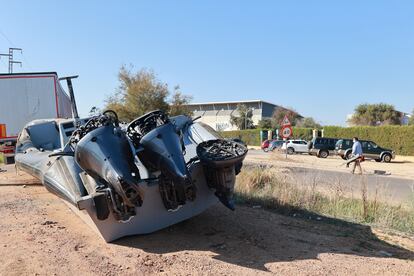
{"type": "Point", "coordinates": [162, 150]}
{"type": "Point", "coordinates": [222, 160]}
{"type": "Point", "coordinates": [106, 155]}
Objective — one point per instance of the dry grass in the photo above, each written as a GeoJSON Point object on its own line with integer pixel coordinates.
{"type": "Point", "coordinates": [279, 155]}
{"type": "Point", "coordinates": [280, 191]}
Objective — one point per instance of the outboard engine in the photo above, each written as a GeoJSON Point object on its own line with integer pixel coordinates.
{"type": "Point", "coordinates": [103, 151]}
{"type": "Point", "coordinates": [222, 161]}
{"type": "Point", "coordinates": [162, 150]}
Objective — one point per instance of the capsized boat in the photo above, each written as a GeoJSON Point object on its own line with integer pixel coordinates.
{"type": "Point", "coordinates": [131, 179]}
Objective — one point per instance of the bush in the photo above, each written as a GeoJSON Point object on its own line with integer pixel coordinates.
{"type": "Point", "coordinates": [398, 138]}
{"type": "Point", "coordinates": [252, 136]}
{"type": "Point", "coordinates": [303, 133]}
{"type": "Point", "coordinates": [249, 136]}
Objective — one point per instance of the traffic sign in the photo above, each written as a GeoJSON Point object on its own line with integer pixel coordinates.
{"type": "Point", "coordinates": [286, 121]}
{"type": "Point", "coordinates": [287, 132]}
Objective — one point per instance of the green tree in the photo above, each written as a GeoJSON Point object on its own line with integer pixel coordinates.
{"type": "Point", "coordinates": [308, 122]}
{"type": "Point", "coordinates": [244, 120]}
{"type": "Point", "coordinates": [280, 113]}
{"type": "Point", "coordinates": [265, 124]}
{"type": "Point", "coordinates": [179, 102]}
{"type": "Point", "coordinates": [140, 92]}
{"type": "Point", "coordinates": [375, 114]}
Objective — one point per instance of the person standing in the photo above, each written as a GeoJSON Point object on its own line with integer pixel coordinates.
{"type": "Point", "coordinates": [357, 155]}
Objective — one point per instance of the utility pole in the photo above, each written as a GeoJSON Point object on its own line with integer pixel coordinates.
{"type": "Point", "coordinates": [11, 60]}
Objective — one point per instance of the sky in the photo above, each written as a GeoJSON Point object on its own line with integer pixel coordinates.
{"type": "Point", "coordinates": [321, 58]}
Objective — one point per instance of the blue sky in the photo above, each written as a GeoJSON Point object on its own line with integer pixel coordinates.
{"type": "Point", "coordinates": [321, 58]}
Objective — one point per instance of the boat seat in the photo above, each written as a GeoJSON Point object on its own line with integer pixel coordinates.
{"type": "Point", "coordinates": [44, 136]}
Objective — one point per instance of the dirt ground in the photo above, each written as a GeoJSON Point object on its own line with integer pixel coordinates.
{"type": "Point", "coordinates": [401, 167]}
{"type": "Point", "coordinates": [40, 235]}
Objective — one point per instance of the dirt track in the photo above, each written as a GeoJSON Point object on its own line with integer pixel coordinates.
{"type": "Point", "coordinates": [40, 235]}
{"type": "Point", "coordinates": [401, 167]}
{"type": "Point", "coordinates": [396, 186]}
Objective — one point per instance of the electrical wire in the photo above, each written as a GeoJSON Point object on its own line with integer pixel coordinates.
{"type": "Point", "coordinates": [8, 40]}
{"type": "Point", "coordinates": [5, 64]}
{"type": "Point", "coordinates": [14, 45]}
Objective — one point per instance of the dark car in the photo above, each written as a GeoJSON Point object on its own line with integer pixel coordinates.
{"type": "Point", "coordinates": [322, 147]}
{"type": "Point", "coordinates": [371, 150]}
{"type": "Point", "coordinates": [238, 140]}
{"type": "Point", "coordinates": [275, 144]}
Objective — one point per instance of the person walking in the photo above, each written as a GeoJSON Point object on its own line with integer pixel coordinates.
{"type": "Point", "coordinates": [357, 155]}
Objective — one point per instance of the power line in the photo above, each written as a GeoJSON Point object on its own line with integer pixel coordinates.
{"type": "Point", "coordinates": [5, 65]}
{"type": "Point", "coordinates": [3, 62]}
{"type": "Point", "coordinates": [5, 36]}
{"type": "Point", "coordinates": [12, 44]}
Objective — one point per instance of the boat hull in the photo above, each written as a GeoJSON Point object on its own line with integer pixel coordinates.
{"type": "Point", "coordinates": [152, 215]}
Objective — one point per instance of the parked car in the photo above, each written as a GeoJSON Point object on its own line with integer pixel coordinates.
{"type": "Point", "coordinates": [295, 146]}
{"type": "Point", "coordinates": [371, 150]}
{"type": "Point", "coordinates": [322, 147]}
{"type": "Point", "coordinates": [275, 144]}
{"type": "Point", "coordinates": [238, 140]}
{"type": "Point", "coordinates": [265, 145]}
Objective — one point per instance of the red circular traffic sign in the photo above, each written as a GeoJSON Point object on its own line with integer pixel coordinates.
{"type": "Point", "coordinates": [287, 132]}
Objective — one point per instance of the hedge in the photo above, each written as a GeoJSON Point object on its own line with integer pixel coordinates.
{"type": "Point", "coordinates": [398, 138]}
{"type": "Point", "coordinates": [249, 136]}
{"type": "Point", "coordinates": [252, 136]}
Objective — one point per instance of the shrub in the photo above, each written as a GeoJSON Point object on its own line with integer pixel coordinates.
{"type": "Point", "coordinates": [398, 138]}
{"type": "Point", "coordinates": [252, 136]}
{"type": "Point", "coordinates": [249, 136]}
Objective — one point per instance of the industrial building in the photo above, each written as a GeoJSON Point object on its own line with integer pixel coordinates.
{"type": "Point", "coordinates": [217, 114]}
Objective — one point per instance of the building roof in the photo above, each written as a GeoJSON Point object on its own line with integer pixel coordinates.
{"type": "Point", "coordinates": [28, 73]}
{"type": "Point", "coordinates": [231, 102]}
{"type": "Point", "coordinates": [207, 112]}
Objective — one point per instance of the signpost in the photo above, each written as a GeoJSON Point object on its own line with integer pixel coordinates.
{"type": "Point", "coordinates": [286, 131]}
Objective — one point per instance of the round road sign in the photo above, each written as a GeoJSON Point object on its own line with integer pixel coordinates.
{"type": "Point", "coordinates": [287, 132]}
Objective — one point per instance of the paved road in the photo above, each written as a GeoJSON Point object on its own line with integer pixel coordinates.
{"type": "Point", "coordinates": [393, 189]}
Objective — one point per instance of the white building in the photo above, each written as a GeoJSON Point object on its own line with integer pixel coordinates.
{"type": "Point", "coordinates": [217, 114]}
